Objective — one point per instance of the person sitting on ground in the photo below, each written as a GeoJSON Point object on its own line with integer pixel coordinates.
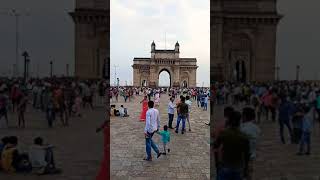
{"type": "Point", "coordinates": [123, 112]}
{"type": "Point", "coordinates": [11, 160]}
{"type": "Point", "coordinates": [41, 157]}
{"type": "Point", "coordinates": [4, 142]}
{"type": "Point", "coordinates": [114, 111]}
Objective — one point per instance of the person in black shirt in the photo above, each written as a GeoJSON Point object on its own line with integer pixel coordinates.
{"type": "Point", "coordinates": [183, 110]}
{"type": "Point", "coordinates": [235, 152]}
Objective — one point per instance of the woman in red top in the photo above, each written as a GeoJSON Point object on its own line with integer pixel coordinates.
{"type": "Point", "coordinates": [15, 95]}
{"type": "Point", "coordinates": [144, 108]}
{"type": "Point", "coordinates": [105, 169]}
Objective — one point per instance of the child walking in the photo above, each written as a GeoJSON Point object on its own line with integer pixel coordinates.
{"type": "Point", "coordinates": [165, 138]}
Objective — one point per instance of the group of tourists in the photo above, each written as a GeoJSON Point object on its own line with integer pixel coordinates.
{"type": "Point", "coordinates": [55, 97]}
{"type": "Point", "coordinates": [295, 105]}
{"type": "Point", "coordinates": [180, 101]}
{"type": "Point", "coordinates": [151, 115]}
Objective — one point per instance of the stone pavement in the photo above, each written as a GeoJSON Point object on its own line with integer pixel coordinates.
{"type": "Point", "coordinates": [189, 156]}
{"type": "Point", "coordinates": [78, 148]}
{"type": "Point", "coordinates": [276, 161]}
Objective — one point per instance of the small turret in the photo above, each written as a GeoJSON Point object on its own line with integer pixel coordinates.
{"type": "Point", "coordinates": [153, 47]}
{"type": "Point", "coordinates": [177, 47]}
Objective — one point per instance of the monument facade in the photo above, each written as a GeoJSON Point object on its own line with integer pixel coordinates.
{"type": "Point", "coordinates": [182, 71]}
{"type": "Point", "coordinates": [92, 29]}
{"type": "Point", "coordinates": [243, 40]}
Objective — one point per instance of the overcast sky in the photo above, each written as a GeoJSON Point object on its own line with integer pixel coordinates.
{"type": "Point", "coordinates": [48, 32]}
{"type": "Point", "coordinates": [162, 21]}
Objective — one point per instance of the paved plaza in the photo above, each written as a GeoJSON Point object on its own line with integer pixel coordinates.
{"type": "Point", "coordinates": [276, 161]}
{"type": "Point", "coordinates": [78, 148]}
{"type": "Point", "coordinates": [189, 157]}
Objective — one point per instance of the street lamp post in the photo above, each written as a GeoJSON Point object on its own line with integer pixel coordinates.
{"type": "Point", "coordinates": [25, 55]}
{"type": "Point", "coordinates": [17, 16]}
{"type": "Point", "coordinates": [297, 72]}
{"type": "Point", "coordinates": [51, 69]}
{"type": "Point", "coordinates": [28, 63]}
{"type": "Point", "coordinates": [67, 73]}
{"type": "Point", "coordinates": [118, 81]}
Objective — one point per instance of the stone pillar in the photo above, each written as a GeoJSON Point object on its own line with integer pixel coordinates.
{"type": "Point", "coordinates": [176, 78]}
{"type": "Point", "coordinates": [136, 77]}
{"type": "Point", "coordinates": [153, 80]}
{"type": "Point", "coordinates": [217, 61]}
{"type": "Point", "coordinates": [193, 79]}
{"type": "Point", "coordinates": [265, 53]}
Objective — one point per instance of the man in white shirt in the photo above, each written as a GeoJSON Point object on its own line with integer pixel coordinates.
{"type": "Point", "coordinates": [152, 126]}
{"type": "Point", "coordinates": [253, 132]}
{"type": "Point", "coordinates": [171, 107]}
{"type": "Point", "coordinates": [249, 128]}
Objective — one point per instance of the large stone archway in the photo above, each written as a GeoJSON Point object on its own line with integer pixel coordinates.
{"type": "Point", "coordinates": [243, 32]}
{"type": "Point", "coordinates": [179, 69]}
{"type": "Point", "coordinates": [91, 18]}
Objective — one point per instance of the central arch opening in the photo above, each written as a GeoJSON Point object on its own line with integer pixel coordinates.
{"type": "Point", "coordinates": [164, 78]}
{"type": "Point", "coordinates": [240, 71]}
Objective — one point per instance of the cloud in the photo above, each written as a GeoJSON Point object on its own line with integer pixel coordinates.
{"type": "Point", "coordinates": [135, 24]}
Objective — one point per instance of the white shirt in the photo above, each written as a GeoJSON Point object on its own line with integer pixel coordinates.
{"type": "Point", "coordinates": [37, 156]}
{"type": "Point", "coordinates": [121, 111]}
{"type": "Point", "coordinates": [253, 132]}
{"type": "Point", "coordinates": [152, 121]}
{"type": "Point", "coordinates": [171, 108]}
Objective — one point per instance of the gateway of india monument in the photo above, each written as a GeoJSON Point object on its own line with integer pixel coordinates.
{"type": "Point", "coordinates": [92, 29]}
{"type": "Point", "coordinates": [243, 40]}
{"type": "Point", "coordinates": [182, 71]}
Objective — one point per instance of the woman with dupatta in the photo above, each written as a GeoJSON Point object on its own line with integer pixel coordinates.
{"type": "Point", "coordinates": [144, 108]}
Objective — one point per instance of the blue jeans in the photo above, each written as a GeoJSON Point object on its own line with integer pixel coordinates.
{"type": "Point", "coordinates": [183, 122]}
{"type": "Point", "coordinates": [150, 144]}
{"type": "Point", "coordinates": [198, 102]}
{"type": "Point", "coordinates": [229, 174]}
{"type": "Point", "coordinates": [205, 106]}
{"type": "Point", "coordinates": [170, 120]}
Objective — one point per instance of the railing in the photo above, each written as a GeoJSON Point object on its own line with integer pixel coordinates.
{"type": "Point", "coordinates": [164, 61]}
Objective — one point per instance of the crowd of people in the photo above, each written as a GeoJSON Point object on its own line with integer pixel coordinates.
{"type": "Point", "coordinates": [38, 159]}
{"type": "Point", "coordinates": [55, 97]}
{"type": "Point", "coordinates": [52, 97]}
{"type": "Point", "coordinates": [180, 103]}
{"type": "Point", "coordinates": [295, 105]}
